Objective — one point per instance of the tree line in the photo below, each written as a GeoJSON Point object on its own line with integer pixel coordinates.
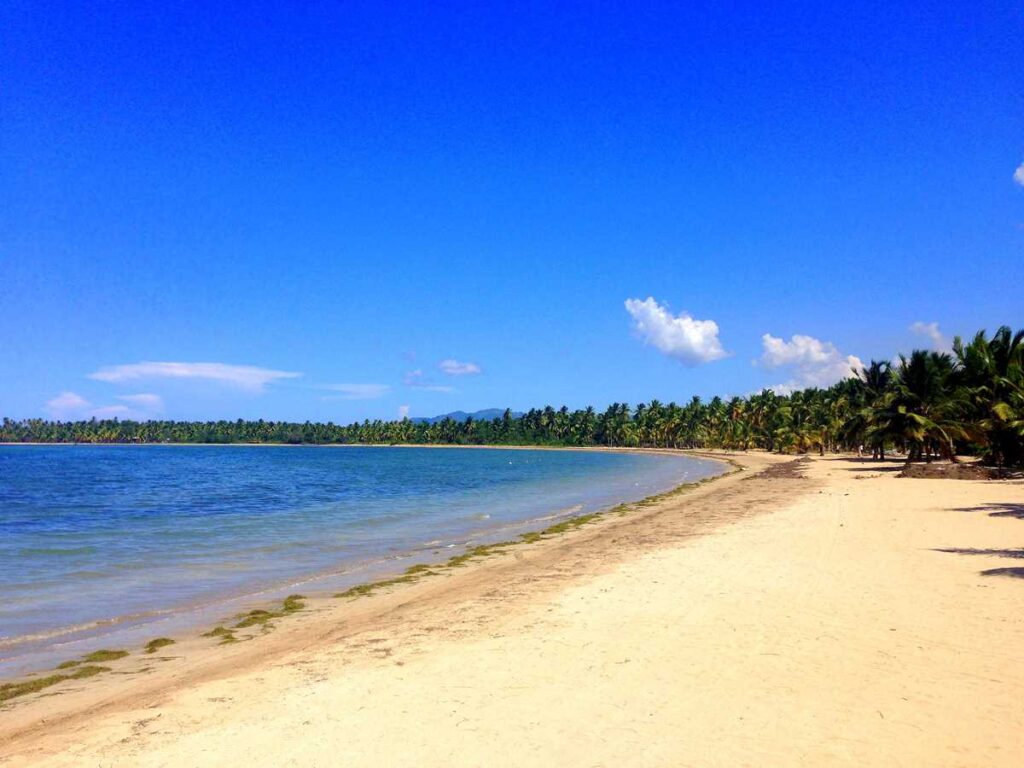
{"type": "Point", "coordinates": [925, 405]}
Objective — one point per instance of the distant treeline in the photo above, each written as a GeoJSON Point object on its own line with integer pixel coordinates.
{"type": "Point", "coordinates": [928, 404]}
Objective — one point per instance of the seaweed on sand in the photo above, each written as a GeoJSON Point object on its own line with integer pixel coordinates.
{"type": "Point", "coordinates": [413, 573]}
{"type": "Point", "coordinates": [157, 643]}
{"type": "Point", "coordinates": [11, 690]}
{"type": "Point", "coordinates": [104, 655]}
{"type": "Point", "coordinates": [261, 617]}
{"type": "Point", "coordinates": [226, 635]}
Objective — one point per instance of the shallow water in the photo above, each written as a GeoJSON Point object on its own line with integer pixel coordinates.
{"type": "Point", "coordinates": [98, 540]}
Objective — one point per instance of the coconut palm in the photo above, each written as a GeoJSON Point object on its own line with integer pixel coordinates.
{"type": "Point", "coordinates": [922, 409]}
{"type": "Point", "coordinates": [864, 401]}
{"type": "Point", "coordinates": [992, 371]}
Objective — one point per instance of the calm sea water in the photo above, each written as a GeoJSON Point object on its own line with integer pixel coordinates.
{"type": "Point", "coordinates": [103, 543]}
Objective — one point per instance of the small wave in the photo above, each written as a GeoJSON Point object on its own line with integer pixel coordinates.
{"type": "Point", "coordinates": [36, 551]}
{"type": "Point", "coordinates": [573, 510]}
{"type": "Point", "coordinates": [73, 629]}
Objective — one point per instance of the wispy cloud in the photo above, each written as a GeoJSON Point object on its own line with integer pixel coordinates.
{"type": "Point", "coordinates": [682, 337]}
{"type": "Point", "coordinates": [72, 406]}
{"type": "Point", "coordinates": [454, 367]}
{"type": "Point", "coordinates": [931, 332]}
{"type": "Point", "coordinates": [403, 412]}
{"type": "Point", "coordinates": [144, 400]}
{"type": "Point", "coordinates": [417, 380]}
{"type": "Point", "coordinates": [247, 377]}
{"type": "Point", "coordinates": [67, 405]}
{"type": "Point", "coordinates": [1018, 175]}
{"type": "Point", "coordinates": [355, 391]}
{"type": "Point", "coordinates": [814, 363]}
{"type": "Point", "coordinates": [111, 412]}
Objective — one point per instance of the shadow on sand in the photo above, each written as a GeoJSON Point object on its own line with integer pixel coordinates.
{"type": "Point", "coordinates": [1018, 553]}
{"type": "Point", "coordinates": [1013, 573]}
{"type": "Point", "coordinates": [867, 464]}
{"type": "Point", "coordinates": [997, 509]}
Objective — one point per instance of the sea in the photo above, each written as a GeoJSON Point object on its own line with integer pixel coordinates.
{"type": "Point", "coordinates": [107, 546]}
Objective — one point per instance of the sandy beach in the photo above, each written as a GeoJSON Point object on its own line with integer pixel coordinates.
{"type": "Point", "coordinates": [825, 613]}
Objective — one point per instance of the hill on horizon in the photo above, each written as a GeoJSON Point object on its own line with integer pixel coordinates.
{"type": "Point", "coordinates": [484, 415]}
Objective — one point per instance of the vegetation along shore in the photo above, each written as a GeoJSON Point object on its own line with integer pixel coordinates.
{"type": "Point", "coordinates": [926, 404]}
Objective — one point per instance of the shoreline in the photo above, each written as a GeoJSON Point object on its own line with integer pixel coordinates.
{"type": "Point", "coordinates": [818, 614]}
{"type": "Point", "coordinates": [531, 540]}
{"type": "Point", "coordinates": [491, 447]}
{"type": "Point", "coordinates": [183, 621]}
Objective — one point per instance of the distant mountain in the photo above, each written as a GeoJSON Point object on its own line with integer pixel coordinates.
{"type": "Point", "coordinates": [485, 415]}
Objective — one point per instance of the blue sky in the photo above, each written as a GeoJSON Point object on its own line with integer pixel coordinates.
{"type": "Point", "coordinates": [335, 211]}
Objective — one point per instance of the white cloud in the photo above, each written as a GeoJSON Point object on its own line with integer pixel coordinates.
{"type": "Point", "coordinates": [248, 377]}
{"type": "Point", "coordinates": [814, 363]}
{"type": "Point", "coordinates": [417, 380]}
{"type": "Point", "coordinates": [931, 331]}
{"type": "Point", "coordinates": [457, 368]}
{"type": "Point", "coordinates": [688, 340]}
{"type": "Point", "coordinates": [67, 405]}
{"type": "Point", "coordinates": [356, 391]}
{"type": "Point", "coordinates": [144, 400]}
{"type": "Point", "coordinates": [403, 412]}
{"type": "Point", "coordinates": [1018, 175]}
{"type": "Point", "coordinates": [72, 406]}
{"type": "Point", "coordinates": [111, 412]}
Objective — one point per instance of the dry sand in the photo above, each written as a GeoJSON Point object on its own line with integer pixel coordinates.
{"type": "Point", "coordinates": [755, 621]}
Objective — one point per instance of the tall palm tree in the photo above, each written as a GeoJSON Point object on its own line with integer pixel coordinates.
{"type": "Point", "coordinates": [866, 404]}
{"type": "Point", "coordinates": [922, 409]}
{"type": "Point", "coordinates": [992, 371]}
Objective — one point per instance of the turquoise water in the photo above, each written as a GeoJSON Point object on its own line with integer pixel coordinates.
{"type": "Point", "coordinates": [98, 540]}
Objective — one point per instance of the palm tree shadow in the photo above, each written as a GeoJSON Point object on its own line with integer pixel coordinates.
{"type": "Point", "coordinates": [997, 509]}
{"type": "Point", "coordinates": [1014, 553]}
{"type": "Point", "coordinates": [1013, 573]}
{"type": "Point", "coordinates": [867, 464]}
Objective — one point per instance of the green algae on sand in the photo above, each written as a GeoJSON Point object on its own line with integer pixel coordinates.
{"type": "Point", "coordinates": [157, 643]}
{"type": "Point", "coordinates": [414, 572]}
{"type": "Point", "coordinates": [12, 690]}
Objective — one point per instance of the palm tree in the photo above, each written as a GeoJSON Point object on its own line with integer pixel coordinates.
{"type": "Point", "coordinates": [922, 409]}
{"type": "Point", "coordinates": [992, 371]}
{"type": "Point", "coordinates": [866, 404]}
{"type": "Point", "coordinates": [764, 413]}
